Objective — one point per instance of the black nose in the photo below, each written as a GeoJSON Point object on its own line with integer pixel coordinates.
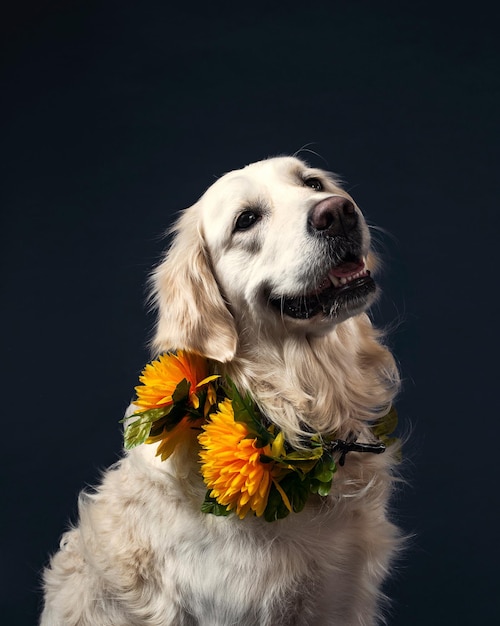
{"type": "Point", "coordinates": [333, 216]}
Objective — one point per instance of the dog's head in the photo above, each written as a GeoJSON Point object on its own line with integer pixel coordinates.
{"type": "Point", "coordinates": [276, 245]}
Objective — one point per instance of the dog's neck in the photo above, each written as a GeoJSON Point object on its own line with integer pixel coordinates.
{"type": "Point", "coordinates": [330, 384]}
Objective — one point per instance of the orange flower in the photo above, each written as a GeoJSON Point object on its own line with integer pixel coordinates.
{"type": "Point", "coordinates": [160, 378]}
{"type": "Point", "coordinates": [231, 465]}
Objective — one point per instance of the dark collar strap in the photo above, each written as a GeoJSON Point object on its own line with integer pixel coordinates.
{"type": "Point", "coordinates": [343, 446]}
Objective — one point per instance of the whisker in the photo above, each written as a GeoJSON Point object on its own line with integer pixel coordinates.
{"type": "Point", "coordinates": [381, 229]}
{"type": "Point", "coordinates": [305, 148]}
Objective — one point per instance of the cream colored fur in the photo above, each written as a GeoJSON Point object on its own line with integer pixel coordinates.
{"type": "Point", "coordinates": [143, 553]}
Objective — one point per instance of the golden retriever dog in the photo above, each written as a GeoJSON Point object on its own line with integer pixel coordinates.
{"type": "Point", "coordinates": [268, 277]}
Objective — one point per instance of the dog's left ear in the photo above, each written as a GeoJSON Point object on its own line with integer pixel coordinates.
{"type": "Point", "coordinates": [192, 313]}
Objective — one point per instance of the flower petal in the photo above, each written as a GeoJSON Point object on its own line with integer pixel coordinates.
{"type": "Point", "coordinates": [207, 380]}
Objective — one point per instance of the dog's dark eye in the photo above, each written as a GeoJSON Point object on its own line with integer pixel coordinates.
{"type": "Point", "coordinates": [246, 220]}
{"type": "Point", "coordinates": [314, 183]}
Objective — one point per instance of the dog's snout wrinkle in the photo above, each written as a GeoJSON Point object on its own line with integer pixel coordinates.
{"type": "Point", "coordinates": [333, 216]}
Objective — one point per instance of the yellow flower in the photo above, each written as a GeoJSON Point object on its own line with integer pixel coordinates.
{"type": "Point", "coordinates": [231, 465]}
{"type": "Point", "coordinates": [159, 381]}
{"type": "Point", "coordinates": [170, 439]}
{"type": "Point", "coordinates": [160, 378]}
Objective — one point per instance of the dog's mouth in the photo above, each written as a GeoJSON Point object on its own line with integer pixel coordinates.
{"type": "Point", "coordinates": [346, 289]}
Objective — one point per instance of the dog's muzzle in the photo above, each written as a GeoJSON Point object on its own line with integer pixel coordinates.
{"type": "Point", "coordinates": [347, 286]}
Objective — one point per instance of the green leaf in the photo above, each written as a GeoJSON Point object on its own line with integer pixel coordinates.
{"type": "Point", "coordinates": [210, 505]}
{"type": "Point", "coordinates": [304, 455]}
{"type": "Point", "coordinates": [181, 391]}
{"type": "Point", "coordinates": [386, 424]}
{"type": "Point", "coordinates": [264, 458]}
{"type": "Point", "coordinates": [138, 431]}
{"type": "Point", "coordinates": [298, 462]}
{"type": "Point", "coordinates": [301, 467]}
{"type": "Point", "coordinates": [275, 508]}
{"type": "Point", "coordinates": [322, 476]}
{"type": "Point", "coordinates": [323, 489]}
{"type": "Point", "coordinates": [297, 488]}
{"type": "Point", "coordinates": [176, 414]}
{"type": "Point", "coordinates": [245, 412]}
{"type": "Point", "coordinates": [325, 469]}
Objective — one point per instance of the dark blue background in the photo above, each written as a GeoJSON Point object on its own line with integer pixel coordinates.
{"type": "Point", "coordinates": [116, 114]}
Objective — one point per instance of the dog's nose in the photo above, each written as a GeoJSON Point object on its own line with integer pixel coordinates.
{"type": "Point", "coordinates": [333, 216]}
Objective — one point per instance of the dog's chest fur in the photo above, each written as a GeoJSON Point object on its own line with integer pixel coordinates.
{"type": "Point", "coordinates": [148, 556]}
{"type": "Point", "coordinates": [144, 554]}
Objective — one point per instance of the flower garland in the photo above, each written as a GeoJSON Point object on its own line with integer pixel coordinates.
{"type": "Point", "coordinates": [247, 466]}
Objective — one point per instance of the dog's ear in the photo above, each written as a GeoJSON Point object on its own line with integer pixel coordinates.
{"type": "Point", "coordinates": [192, 314]}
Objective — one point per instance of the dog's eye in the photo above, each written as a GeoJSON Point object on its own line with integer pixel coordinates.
{"type": "Point", "coordinates": [246, 220]}
{"type": "Point", "coordinates": [314, 183]}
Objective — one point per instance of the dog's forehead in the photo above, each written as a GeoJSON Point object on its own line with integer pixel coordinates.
{"type": "Point", "coordinates": [258, 175]}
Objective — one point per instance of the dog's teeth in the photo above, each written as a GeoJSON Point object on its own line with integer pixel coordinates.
{"type": "Point", "coordinates": [335, 280]}
{"type": "Point", "coordinates": [343, 280]}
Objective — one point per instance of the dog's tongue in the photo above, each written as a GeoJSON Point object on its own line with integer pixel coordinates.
{"type": "Point", "coordinates": [347, 269]}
